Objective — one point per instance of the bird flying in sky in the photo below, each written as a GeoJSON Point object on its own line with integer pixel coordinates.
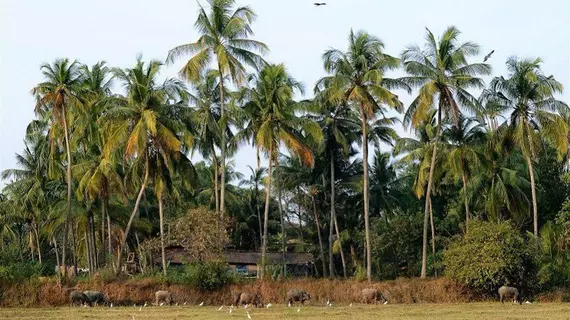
{"type": "Point", "coordinates": [318, 4]}
{"type": "Point", "coordinates": [488, 56]}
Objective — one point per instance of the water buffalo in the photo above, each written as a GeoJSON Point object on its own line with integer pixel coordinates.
{"type": "Point", "coordinates": [510, 293]}
{"type": "Point", "coordinates": [96, 297]}
{"type": "Point", "coordinates": [297, 295]}
{"type": "Point", "coordinates": [372, 296]}
{"type": "Point", "coordinates": [163, 297]}
{"type": "Point", "coordinates": [78, 298]}
{"type": "Point", "coordinates": [251, 299]}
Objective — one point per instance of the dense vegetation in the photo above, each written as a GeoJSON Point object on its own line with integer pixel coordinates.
{"type": "Point", "coordinates": [107, 166]}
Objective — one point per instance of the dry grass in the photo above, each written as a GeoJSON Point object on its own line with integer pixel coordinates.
{"type": "Point", "coordinates": [138, 291]}
{"type": "Point", "coordinates": [402, 311]}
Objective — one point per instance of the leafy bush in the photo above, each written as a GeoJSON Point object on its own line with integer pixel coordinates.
{"type": "Point", "coordinates": [208, 276]}
{"type": "Point", "coordinates": [489, 256]}
{"type": "Point", "coordinates": [17, 272]}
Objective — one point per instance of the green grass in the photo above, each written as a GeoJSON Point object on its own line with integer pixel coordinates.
{"type": "Point", "coordinates": [415, 311]}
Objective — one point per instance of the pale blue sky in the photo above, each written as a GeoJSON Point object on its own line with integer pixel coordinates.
{"type": "Point", "coordinates": [34, 32]}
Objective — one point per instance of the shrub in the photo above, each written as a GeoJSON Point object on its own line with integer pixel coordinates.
{"type": "Point", "coordinates": [489, 256]}
{"type": "Point", "coordinates": [18, 272]}
{"type": "Point", "coordinates": [208, 276]}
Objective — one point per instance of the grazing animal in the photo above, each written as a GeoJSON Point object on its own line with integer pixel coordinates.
{"type": "Point", "coordinates": [250, 299]}
{"type": "Point", "coordinates": [96, 297]}
{"type": "Point", "coordinates": [78, 297]}
{"type": "Point", "coordinates": [488, 56]}
{"type": "Point", "coordinates": [510, 293]}
{"type": "Point", "coordinates": [318, 4]}
{"type": "Point", "coordinates": [294, 295]}
{"type": "Point", "coordinates": [236, 297]}
{"type": "Point", "coordinates": [372, 296]}
{"type": "Point", "coordinates": [163, 296]}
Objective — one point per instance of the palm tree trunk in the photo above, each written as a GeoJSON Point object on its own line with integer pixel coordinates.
{"type": "Point", "coordinates": [332, 217]}
{"type": "Point", "coordinates": [432, 235]}
{"type": "Point", "coordinates": [322, 253]}
{"type": "Point", "coordinates": [94, 242]}
{"type": "Point", "coordinates": [109, 242]}
{"type": "Point", "coordinates": [223, 148]}
{"type": "Point", "coordinates": [266, 213]}
{"type": "Point", "coordinates": [340, 246]}
{"type": "Point", "coordinates": [283, 235]}
{"type": "Point", "coordinates": [74, 236]}
{"type": "Point", "coordinates": [162, 248]}
{"type": "Point", "coordinates": [88, 250]}
{"type": "Point", "coordinates": [56, 254]}
{"type": "Point", "coordinates": [68, 178]}
{"type": "Point", "coordinates": [365, 193]}
{"type": "Point", "coordinates": [533, 192]}
{"type": "Point", "coordinates": [132, 218]}
{"type": "Point", "coordinates": [467, 214]}
{"type": "Point", "coordinates": [216, 175]}
{"type": "Point", "coordinates": [103, 235]}
{"type": "Point", "coordinates": [428, 200]}
{"type": "Point", "coordinates": [35, 226]}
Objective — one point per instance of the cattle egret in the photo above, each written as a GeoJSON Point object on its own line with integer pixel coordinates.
{"type": "Point", "coordinates": [145, 304]}
{"type": "Point", "coordinates": [111, 305]}
{"type": "Point", "coordinates": [231, 308]}
{"type": "Point", "coordinates": [220, 308]}
{"type": "Point", "coordinates": [161, 304]}
{"type": "Point", "coordinates": [386, 302]}
{"type": "Point", "coordinates": [299, 309]}
{"type": "Point", "coordinates": [248, 315]}
{"type": "Point", "coordinates": [350, 305]}
{"type": "Point", "coordinates": [177, 304]}
{"type": "Point", "coordinates": [201, 304]}
{"type": "Point", "coordinates": [185, 302]}
{"type": "Point", "coordinates": [289, 304]}
{"type": "Point", "coordinates": [246, 305]}
{"type": "Point", "coordinates": [269, 305]}
{"type": "Point", "coordinates": [528, 302]}
{"type": "Point", "coordinates": [140, 309]}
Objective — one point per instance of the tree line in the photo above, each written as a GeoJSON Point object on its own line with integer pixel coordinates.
{"type": "Point", "coordinates": [103, 170]}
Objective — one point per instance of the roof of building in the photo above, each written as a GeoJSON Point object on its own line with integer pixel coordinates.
{"type": "Point", "coordinates": [177, 255]}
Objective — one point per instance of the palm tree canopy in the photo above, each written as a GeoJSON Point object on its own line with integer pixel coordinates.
{"type": "Point", "coordinates": [443, 75]}
{"type": "Point", "coordinates": [225, 34]}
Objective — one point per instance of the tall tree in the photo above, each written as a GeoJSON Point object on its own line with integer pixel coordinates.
{"type": "Point", "coordinates": [442, 73]}
{"type": "Point", "coordinates": [358, 78]}
{"type": "Point", "coordinates": [224, 33]}
{"type": "Point", "coordinates": [530, 97]}
{"type": "Point", "coordinates": [273, 96]}
{"type": "Point", "coordinates": [465, 157]}
{"type": "Point", "coordinates": [58, 96]}
{"type": "Point", "coordinates": [149, 126]}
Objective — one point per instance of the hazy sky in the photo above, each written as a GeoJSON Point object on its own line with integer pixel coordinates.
{"type": "Point", "coordinates": [34, 32]}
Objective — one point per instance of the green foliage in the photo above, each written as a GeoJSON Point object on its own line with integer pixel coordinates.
{"type": "Point", "coordinates": [18, 272]}
{"type": "Point", "coordinates": [206, 276]}
{"type": "Point", "coordinates": [489, 256]}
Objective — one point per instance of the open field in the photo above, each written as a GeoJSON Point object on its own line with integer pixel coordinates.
{"type": "Point", "coordinates": [401, 311]}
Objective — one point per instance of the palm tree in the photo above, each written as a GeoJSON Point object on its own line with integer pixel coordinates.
{"type": "Point", "coordinates": [58, 96]}
{"type": "Point", "coordinates": [529, 94]}
{"type": "Point", "coordinates": [254, 182]}
{"type": "Point", "coordinates": [443, 75]}
{"type": "Point", "coordinates": [340, 130]}
{"type": "Point", "coordinates": [465, 155]}
{"type": "Point", "coordinates": [273, 96]}
{"type": "Point", "coordinates": [149, 126]}
{"type": "Point", "coordinates": [357, 78]}
{"type": "Point", "coordinates": [224, 34]}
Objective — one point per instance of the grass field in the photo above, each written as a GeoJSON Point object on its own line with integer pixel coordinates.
{"type": "Point", "coordinates": [415, 311]}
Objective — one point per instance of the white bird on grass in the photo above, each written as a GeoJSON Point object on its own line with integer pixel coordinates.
{"type": "Point", "coordinates": [248, 315]}
{"type": "Point", "coordinates": [528, 302]}
{"type": "Point", "coordinates": [231, 308]}
{"type": "Point", "coordinates": [299, 309]}
{"type": "Point", "coordinates": [185, 302]}
{"type": "Point", "coordinates": [220, 308]}
{"type": "Point", "coordinates": [177, 304]}
{"type": "Point", "coordinates": [140, 309]}
{"type": "Point", "coordinates": [161, 304]}
{"type": "Point", "coordinates": [289, 304]}
{"type": "Point", "coordinates": [201, 304]}
{"type": "Point", "coordinates": [246, 305]}
{"type": "Point", "coordinates": [386, 302]}
{"type": "Point", "coordinates": [350, 305]}
{"type": "Point", "coordinates": [145, 304]}
{"type": "Point", "coordinates": [269, 305]}
{"type": "Point", "coordinates": [111, 305]}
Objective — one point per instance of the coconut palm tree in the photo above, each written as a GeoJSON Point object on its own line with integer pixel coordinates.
{"type": "Point", "coordinates": [357, 77]}
{"type": "Point", "coordinates": [224, 33]}
{"type": "Point", "coordinates": [443, 75]}
{"type": "Point", "coordinates": [530, 97]}
{"type": "Point", "coordinates": [150, 128]}
{"type": "Point", "coordinates": [465, 155]}
{"type": "Point", "coordinates": [340, 130]}
{"type": "Point", "coordinates": [58, 97]}
{"type": "Point", "coordinates": [254, 182]}
{"type": "Point", "coordinates": [273, 96]}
